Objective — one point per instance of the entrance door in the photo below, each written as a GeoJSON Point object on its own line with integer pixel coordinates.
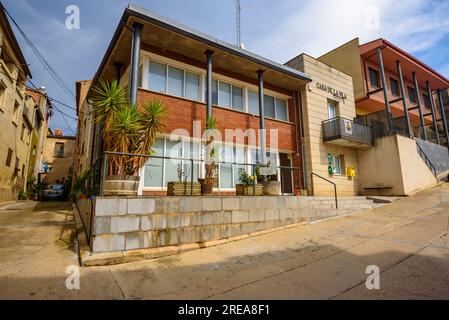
{"type": "Point", "coordinates": [286, 174]}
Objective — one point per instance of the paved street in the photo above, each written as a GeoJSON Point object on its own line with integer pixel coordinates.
{"type": "Point", "coordinates": [407, 240]}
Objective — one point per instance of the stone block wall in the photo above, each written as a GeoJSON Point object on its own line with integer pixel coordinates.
{"type": "Point", "coordinates": [139, 223]}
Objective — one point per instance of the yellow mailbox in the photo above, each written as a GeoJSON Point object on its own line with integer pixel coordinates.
{"type": "Point", "coordinates": [350, 172]}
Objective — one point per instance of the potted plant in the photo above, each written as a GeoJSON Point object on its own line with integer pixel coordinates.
{"type": "Point", "coordinates": [211, 156]}
{"type": "Point", "coordinates": [127, 129]}
{"type": "Point", "coordinates": [182, 187]}
{"type": "Point", "coordinates": [248, 186]}
{"type": "Point", "coordinates": [79, 189]}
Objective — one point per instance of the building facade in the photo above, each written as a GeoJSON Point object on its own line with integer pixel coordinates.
{"type": "Point", "coordinates": [356, 121]}
{"type": "Point", "coordinates": [15, 118]}
{"type": "Point", "coordinates": [58, 158]}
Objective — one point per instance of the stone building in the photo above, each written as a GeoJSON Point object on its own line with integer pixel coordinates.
{"type": "Point", "coordinates": [58, 157]}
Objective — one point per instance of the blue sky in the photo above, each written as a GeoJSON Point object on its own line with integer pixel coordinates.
{"type": "Point", "coordinates": [278, 30]}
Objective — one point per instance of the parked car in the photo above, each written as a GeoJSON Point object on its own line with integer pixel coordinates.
{"type": "Point", "coordinates": [54, 192]}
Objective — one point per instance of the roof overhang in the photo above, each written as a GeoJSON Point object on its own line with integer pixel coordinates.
{"type": "Point", "coordinates": [163, 35]}
{"type": "Point", "coordinates": [409, 64]}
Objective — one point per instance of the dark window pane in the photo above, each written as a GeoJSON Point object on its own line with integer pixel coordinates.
{"type": "Point", "coordinates": [374, 78]}
{"type": "Point", "coordinates": [269, 107]}
{"type": "Point", "coordinates": [412, 94]}
{"type": "Point", "coordinates": [237, 98]}
{"type": "Point", "coordinates": [394, 87]}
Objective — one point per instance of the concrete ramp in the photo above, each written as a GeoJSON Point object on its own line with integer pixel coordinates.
{"type": "Point", "coordinates": [437, 155]}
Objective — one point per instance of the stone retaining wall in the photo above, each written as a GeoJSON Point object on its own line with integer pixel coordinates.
{"type": "Point", "coordinates": [139, 223]}
{"type": "Point", "coordinates": [121, 224]}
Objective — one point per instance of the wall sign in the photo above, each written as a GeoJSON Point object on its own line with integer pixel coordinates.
{"type": "Point", "coordinates": [336, 93]}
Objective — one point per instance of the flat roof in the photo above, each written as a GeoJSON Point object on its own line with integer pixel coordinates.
{"type": "Point", "coordinates": [198, 41]}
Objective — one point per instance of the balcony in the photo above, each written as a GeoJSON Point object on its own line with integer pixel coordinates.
{"type": "Point", "coordinates": [347, 133]}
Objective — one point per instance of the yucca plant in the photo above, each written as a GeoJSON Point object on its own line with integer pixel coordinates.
{"type": "Point", "coordinates": [126, 128]}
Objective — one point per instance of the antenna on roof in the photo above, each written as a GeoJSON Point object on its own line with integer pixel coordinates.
{"type": "Point", "coordinates": [237, 24]}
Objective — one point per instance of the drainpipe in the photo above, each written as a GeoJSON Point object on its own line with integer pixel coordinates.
{"type": "Point", "coordinates": [443, 116]}
{"type": "Point", "coordinates": [385, 89]}
{"type": "Point", "coordinates": [209, 54]}
{"type": "Point", "coordinates": [432, 109]}
{"type": "Point", "coordinates": [135, 57]}
{"type": "Point", "coordinates": [404, 99]}
{"type": "Point", "coordinates": [262, 130]}
{"type": "Point", "coordinates": [418, 97]}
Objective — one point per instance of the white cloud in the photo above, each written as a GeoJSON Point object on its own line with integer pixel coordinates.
{"type": "Point", "coordinates": [321, 25]}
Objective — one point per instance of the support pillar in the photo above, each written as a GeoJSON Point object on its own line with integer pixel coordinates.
{"type": "Point", "coordinates": [209, 84]}
{"type": "Point", "coordinates": [385, 88]}
{"type": "Point", "coordinates": [404, 99]}
{"type": "Point", "coordinates": [432, 109]}
{"type": "Point", "coordinates": [418, 99]}
{"type": "Point", "coordinates": [135, 58]}
{"type": "Point", "coordinates": [443, 116]}
{"type": "Point", "coordinates": [262, 130]}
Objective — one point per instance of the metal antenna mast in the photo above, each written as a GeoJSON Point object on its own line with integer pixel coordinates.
{"type": "Point", "coordinates": [237, 22]}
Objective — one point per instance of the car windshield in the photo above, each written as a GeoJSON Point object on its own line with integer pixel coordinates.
{"type": "Point", "coordinates": [57, 187]}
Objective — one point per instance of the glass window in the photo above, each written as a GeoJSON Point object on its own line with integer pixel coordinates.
{"type": "Point", "coordinates": [374, 78]}
{"type": "Point", "coordinates": [192, 86]}
{"type": "Point", "coordinates": [426, 101]}
{"type": "Point", "coordinates": [237, 98]}
{"type": "Point", "coordinates": [173, 149]}
{"type": "Point", "coordinates": [395, 87]}
{"type": "Point", "coordinates": [239, 157]}
{"type": "Point", "coordinates": [269, 107]}
{"type": "Point", "coordinates": [281, 110]}
{"type": "Point", "coordinates": [175, 82]}
{"type": "Point", "coordinates": [253, 102]}
{"type": "Point", "coordinates": [331, 110]}
{"type": "Point", "coordinates": [59, 149]}
{"type": "Point", "coordinates": [155, 167]}
{"type": "Point", "coordinates": [336, 163]}
{"type": "Point", "coordinates": [191, 151]}
{"type": "Point", "coordinates": [214, 92]}
{"type": "Point", "coordinates": [227, 154]}
{"type": "Point", "coordinates": [412, 94]}
{"type": "Point", "coordinates": [224, 95]}
{"type": "Point", "coordinates": [158, 77]}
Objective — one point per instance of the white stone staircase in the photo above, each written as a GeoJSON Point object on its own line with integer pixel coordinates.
{"type": "Point", "coordinates": [320, 208]}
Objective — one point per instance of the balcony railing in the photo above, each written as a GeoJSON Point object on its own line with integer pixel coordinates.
{"type": "Point", "coordinates": [346, 132]}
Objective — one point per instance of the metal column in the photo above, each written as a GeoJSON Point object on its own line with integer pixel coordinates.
{"type": "Point", "coordinates": [209, 84]}
{"type": "Point", "coordinates": [432, 109]}
{"type": "Point", "coordinates": [262, 131]}
{"type": "Point", "coordinates": [418, 99]}
{"type": "Point", "coordinates": [385, 88]}
{"type": "Point", "coordinates": [443, 116]}
{"type": "Point", "coordinates": [404, 99]}
{"type": "Point", "coordinates": [135, 58]}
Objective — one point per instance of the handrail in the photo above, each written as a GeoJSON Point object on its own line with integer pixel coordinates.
{"type": "Point", "coordinates": [427, 160]}
{"type": "Point", "coordinates": [334, 184]}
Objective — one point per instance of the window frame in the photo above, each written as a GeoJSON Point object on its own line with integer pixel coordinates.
{"type": "Point", "coordinates": [398, 93]}
{"type": "Point", "coordinates": [409, 90]}
{"type": "Point", "coordinates": [56, 152]}
{"type": "Point", "coordinates": [9, 157]}
{"type": "Point", "coordinates": [340, 165]}
{"type": "Point", "coordinates": [377, 73]}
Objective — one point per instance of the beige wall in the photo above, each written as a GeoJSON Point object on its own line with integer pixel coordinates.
{"type": "Point", "coordinates": [61, 166]}
{"type": "Point", "coordinates": [314, 105]}
{"type": "Point", "coordinates": [347, 59]}
{"type": "Point", "coordinates": [394, 163]}
{"type": "Point", "coordinates": [12, 103]}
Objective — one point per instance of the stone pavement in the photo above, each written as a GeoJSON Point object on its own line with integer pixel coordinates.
{"type": "Point", "coordinates": [407, 240]}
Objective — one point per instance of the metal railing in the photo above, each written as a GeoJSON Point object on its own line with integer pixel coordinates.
{"type": "Point", "coordinates": [280, 170]}
{"type": "Point", "coordinates": [327, 180]}
{"type": "Point", "coordinates": [426, 159]}
{"type": "Point", "coordinates": [342, 128]}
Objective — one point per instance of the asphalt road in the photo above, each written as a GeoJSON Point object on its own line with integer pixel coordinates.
{"type": "Point", "coordinates": [407, 241]}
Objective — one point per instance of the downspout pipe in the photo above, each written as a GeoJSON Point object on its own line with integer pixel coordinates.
{"type": "Point", "coordinates": [262, 130]}
{"type": "Point", "coordinates": [135, 58]}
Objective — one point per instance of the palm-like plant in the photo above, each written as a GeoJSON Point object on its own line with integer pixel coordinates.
{"type": "Point", "coordinates": [127, 128]}
{"type": "Point", "coordinates": [211, 150]}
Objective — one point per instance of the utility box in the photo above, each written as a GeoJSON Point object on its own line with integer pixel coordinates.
{"type": "Point", "coordinates": [350, 172]}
